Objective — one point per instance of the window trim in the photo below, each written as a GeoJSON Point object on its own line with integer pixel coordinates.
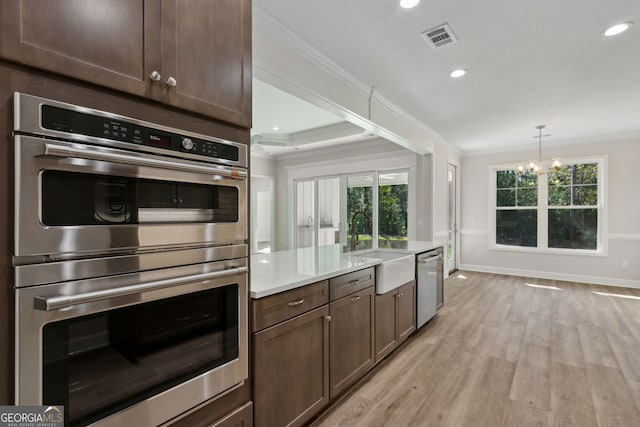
{"type": "Point", "coordinates": [542, 208]}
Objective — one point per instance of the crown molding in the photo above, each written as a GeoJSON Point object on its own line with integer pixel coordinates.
{"type": "Point", "coordinates": [369, 149]}
{"type": "Point", "coordinates": [615, 137]}
{"type": "Point", "coordinates": [279, 32]}
{"type": "Point", "coordinates": [326, 133]}
{"type": "Point", "coordinates": [296, 139]}
{"type": "Point", "coordinates": [290, 39]}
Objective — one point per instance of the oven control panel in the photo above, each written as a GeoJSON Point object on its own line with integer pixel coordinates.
{"type": "Point", "coordinates": [75, 122]}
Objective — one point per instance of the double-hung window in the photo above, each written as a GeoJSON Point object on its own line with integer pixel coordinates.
{"type": "Point", "coordinates": [573, 207]}
{"type": "Point", "coordinates": [516, 208]}
{"type": "Point", "coordinates": [557, 210]}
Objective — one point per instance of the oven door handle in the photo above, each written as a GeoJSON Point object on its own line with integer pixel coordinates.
{"type": "Point", "coordinates": [57, 302]}
{"type": "Point", "coordinates": [117, 156]}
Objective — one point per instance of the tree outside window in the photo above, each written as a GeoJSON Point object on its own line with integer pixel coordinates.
{"type": "Point", "coordinates": [573, 207]}
{"type": "Point", "coordinates": [393, 198]}
{"type": "Point", "coordinates": [516, 208]}
{"type": "Point", "coordinates": [360, 199]}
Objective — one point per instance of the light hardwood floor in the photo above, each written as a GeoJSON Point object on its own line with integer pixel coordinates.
{"type": "Point", "coordinates": [510, 351]}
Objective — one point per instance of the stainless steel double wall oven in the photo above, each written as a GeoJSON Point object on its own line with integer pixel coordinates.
{"type": "Point", "coordinates": [130, 265]}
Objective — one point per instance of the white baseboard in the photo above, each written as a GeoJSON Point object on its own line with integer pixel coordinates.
{"type": "Point", "coordinates": [625, 283]}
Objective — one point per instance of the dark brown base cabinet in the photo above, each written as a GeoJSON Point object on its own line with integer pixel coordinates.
{"type": "Point", "coordinates": [193, 55]}
{"type": "Point", "coordinates": [395, 318]}
{"type": "Point", "coordinates": [312, 343]}
{"type": "Point", "coordinates": [241, 417]}
{"type": "Point", "coordinates": [291, 370]}
{"type": "Point", "coordinates": [309, 345]}
{"type": "Point", "coordinates": [351, 339]}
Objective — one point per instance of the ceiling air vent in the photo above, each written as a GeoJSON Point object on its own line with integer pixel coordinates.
{"type": "Point", "coordinates": [439, 36]}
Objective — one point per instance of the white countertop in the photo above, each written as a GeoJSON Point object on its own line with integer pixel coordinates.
{"type": "Point", "coordinates": [284, 270]}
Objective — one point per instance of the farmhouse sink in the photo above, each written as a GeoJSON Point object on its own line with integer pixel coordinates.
{"type": "Point", "coordinates": [396, 269]}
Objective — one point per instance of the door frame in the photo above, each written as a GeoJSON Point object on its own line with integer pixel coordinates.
{"type": "Point", "coordinates": [454, 170]}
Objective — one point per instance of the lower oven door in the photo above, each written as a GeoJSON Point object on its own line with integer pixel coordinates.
{"type": "Point", "coordinates": [79, 199]}
{"type": "Point", "coordinates": [135, 349]}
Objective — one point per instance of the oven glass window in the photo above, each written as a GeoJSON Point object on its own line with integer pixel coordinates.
{"type": "Point", "coordinates": [72, 198]}
{"type": "Point", "coordinates": [99, 364]}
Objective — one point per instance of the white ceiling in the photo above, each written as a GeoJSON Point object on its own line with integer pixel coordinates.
{"type": "Point", "coordinates": [529, 63]}
{"type": "Point", "coordinates": [283, 123]}
{"type": "Point", "coordinates": [288, 113]}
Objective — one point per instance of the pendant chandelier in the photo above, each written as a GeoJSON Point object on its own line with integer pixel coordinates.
{"type": "Point", "coordinates": [536, 167]}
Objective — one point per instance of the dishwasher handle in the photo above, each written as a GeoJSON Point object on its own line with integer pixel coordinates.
{"type": "Point", "coordinates": [428, 260]}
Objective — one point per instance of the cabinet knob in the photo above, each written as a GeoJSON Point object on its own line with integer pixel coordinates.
{"type": "Point", "coordinates": [172, 82]}
{"type": "Point", "coordinates": [187, 144]}
{"type": "Point", "coordinates": [155, 76]}
{"type": "Point", "coordinates": [328, 318]}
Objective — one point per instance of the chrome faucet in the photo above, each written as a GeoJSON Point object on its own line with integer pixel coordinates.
{"type": "Point", "coordinates": [354, 235]}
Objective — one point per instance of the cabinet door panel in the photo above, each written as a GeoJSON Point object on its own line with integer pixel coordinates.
{"type": "Point", "coordinates": [406, 310]}
{"type": "Point", "coordinates": [111, 43]}
{"type": "Point", "coordinates": [386, 339]}
{"type": "Point", "coordinates": [291, 364]}
{"type": "Point", "coordinates": [351, 339]}
{"type": "Point", "coordinates": [207, 49]}
{"type": "Point", "coordinates": [241, 417]}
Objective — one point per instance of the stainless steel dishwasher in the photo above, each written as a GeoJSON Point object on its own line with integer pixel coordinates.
{"type": "Point", "coordinates": [429, 266]}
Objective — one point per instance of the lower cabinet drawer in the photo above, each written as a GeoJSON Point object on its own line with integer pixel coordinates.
{"type": "Point", "coordinates": [350, 283]}
{"type": "Point", "coordinates": [274, 309]}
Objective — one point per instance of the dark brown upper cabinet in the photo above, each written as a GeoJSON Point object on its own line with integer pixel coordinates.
{"type": "Point", "coordinates": [190, 54]}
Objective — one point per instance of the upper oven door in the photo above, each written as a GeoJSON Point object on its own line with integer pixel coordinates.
{"type": "Point", "coordinates": [77, 199]}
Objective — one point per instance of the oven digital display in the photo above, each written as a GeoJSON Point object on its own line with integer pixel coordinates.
{"type": "Point", "coordinates": [160, 140]}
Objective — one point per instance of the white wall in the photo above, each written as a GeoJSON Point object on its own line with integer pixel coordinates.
{"type": "Point", "coordinates": [622, 192]}
{"type": "Point", "coordinates": [263, 166]}
{"type": "Point", "coordinates": [442, 158]}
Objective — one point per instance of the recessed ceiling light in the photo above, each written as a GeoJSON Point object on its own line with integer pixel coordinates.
{"type": "Point", "coordinates": [617, 29]}
{"type": "Point", "coordinates": [458, 73]}
{"type": "Point", "coordinates": [408, 4]}
{"type": "Point", "coordinates": [275, 128]}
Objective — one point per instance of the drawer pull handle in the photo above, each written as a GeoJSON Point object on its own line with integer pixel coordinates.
{"type": "Point", "coordinates": [356, 298]}
{"type": "Point", "coordinates": [295, 303]}
{"type": "Point", "coordinates": [354, 282]}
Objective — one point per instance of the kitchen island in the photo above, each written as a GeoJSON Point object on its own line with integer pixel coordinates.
{"type": "Point", "coordinates": [276, 272]}
{"type": "Point", "coordinates": [319, 324]}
